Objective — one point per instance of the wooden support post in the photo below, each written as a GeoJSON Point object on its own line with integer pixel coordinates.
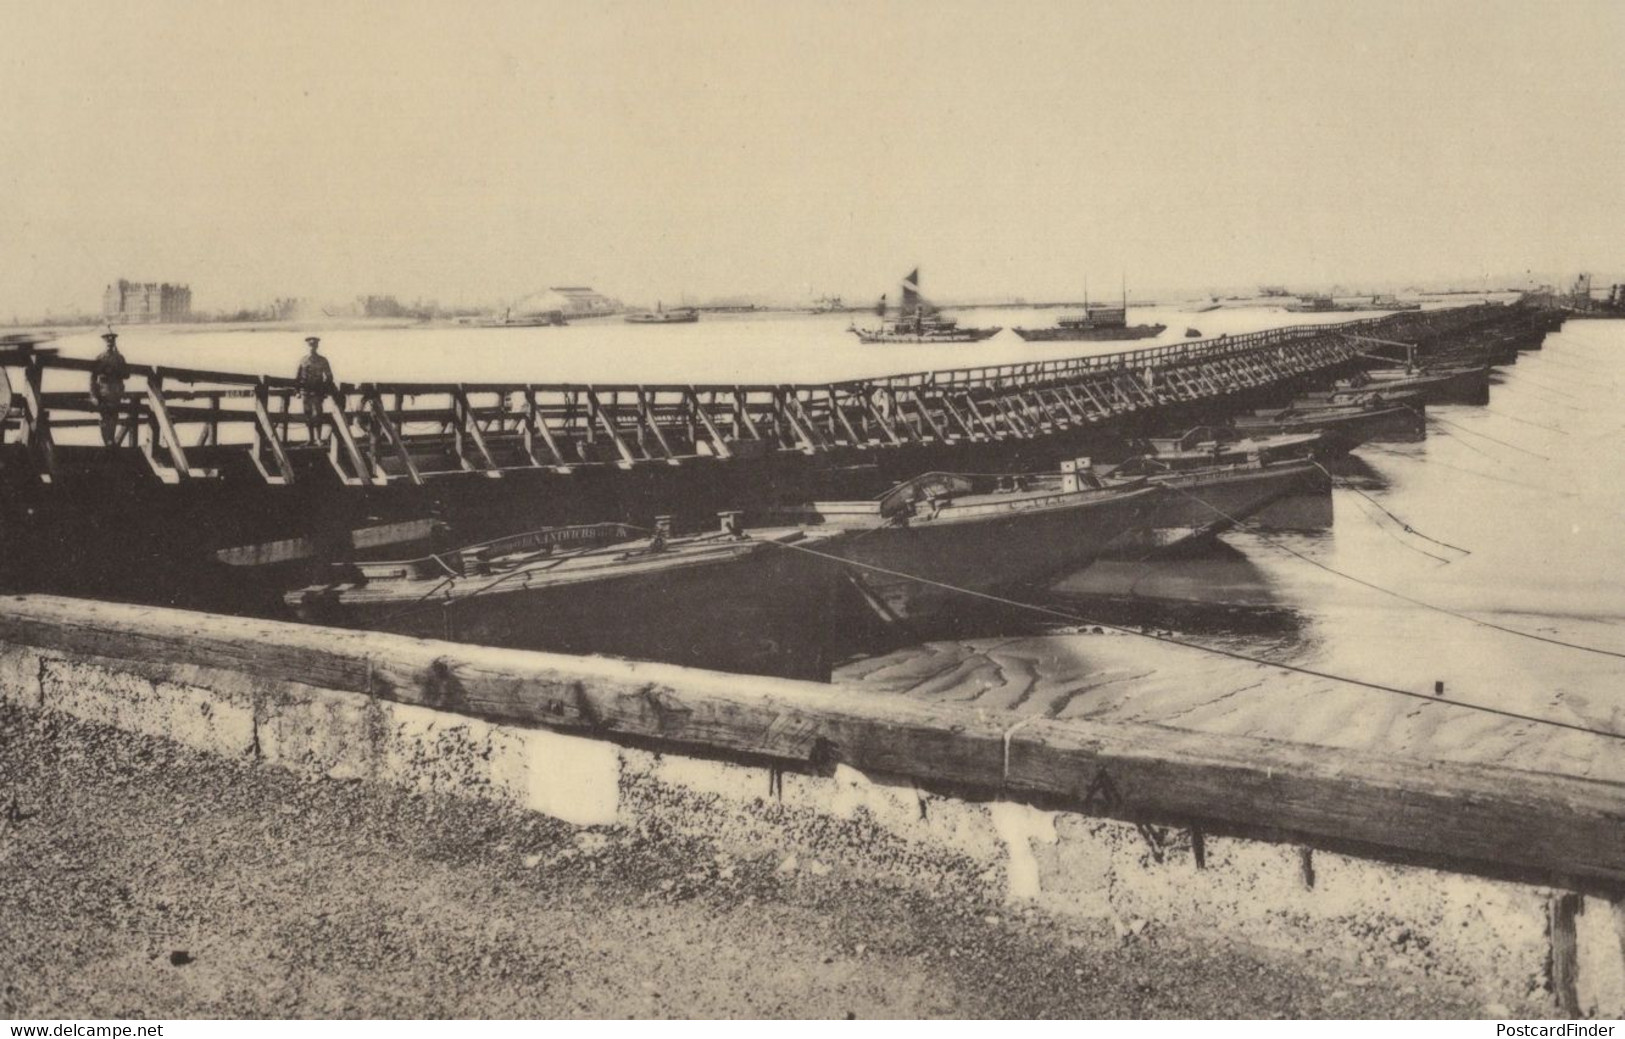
{"type": "Point", "coordinates": [37, 423]}
{"type": "Point", "coordinates": [342, 447]}
{"type": "Point", "coordinates": [742, 416]}
{"type": "Point", "coordinates": [954, 413]}
{"type": "Point", "coordinates": [595, 413]}
{"type": "Point", "coordinates": [806, 431]}
{"type": "Point", "coordinates": [646, 415]}
{"type": "Point", "coordinates": [1091, 409]}
{"type": "Point", "coordinates": [1561, 909]}
{"type": "Point", "coordinates": [1075, 415]}
{"type": "Point", "coordinates": [719, 444]}
{"type": "Point", "coordinates": [974, 406]}
{"type": "Point", "coordinates": [898, 419]}
{"type": "Point", "coordinates": [866, 396]}
{"type": "Point", "coordinates": [392, 435]}
{"type": "Point", "coordinates": [536, 426]}
{"type": "Point", "coordinates": [160, 414]}
{"type": "Point", "coordinates": [265, 437]}
{"type": "Point", "coordinates": [923, 408]}
{"type": "Point", "coordinates": [1107, 409]}
{"type": "Point", "coordinates": [839, 413]}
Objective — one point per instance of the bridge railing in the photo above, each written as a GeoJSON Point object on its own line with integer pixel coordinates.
{"type": "Point", "coordinates": [373, 432]}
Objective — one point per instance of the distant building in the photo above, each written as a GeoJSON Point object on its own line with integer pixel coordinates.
{"type": "Point", "coordinates": [133, 302]}
{"type": "Point", "coordinates": [580, 301]}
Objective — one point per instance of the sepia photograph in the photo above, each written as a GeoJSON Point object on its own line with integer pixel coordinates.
{"type": "Point", "coordinates": [724, 510]}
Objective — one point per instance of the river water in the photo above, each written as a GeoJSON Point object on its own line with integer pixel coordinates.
{"type": "Point", "coordinates": [1516, 517]}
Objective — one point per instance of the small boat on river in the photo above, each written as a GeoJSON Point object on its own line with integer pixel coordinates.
{"type": "Point", "coordinates": [1096, 323]}
{"type": "Point", "coordinates": [660, 316]}
{"type": "Point", "coordinates": [919, 320]}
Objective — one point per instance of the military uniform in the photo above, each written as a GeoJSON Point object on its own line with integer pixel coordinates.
{"type": "Point", "coordinates": [315, 379]}
{"type": "Point", "coordinates": [107, 387]}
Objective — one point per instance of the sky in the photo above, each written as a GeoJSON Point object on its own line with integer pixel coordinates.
{"type": "Point", "coordinates": [479, 151]}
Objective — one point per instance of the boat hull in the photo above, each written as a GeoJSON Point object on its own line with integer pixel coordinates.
{"type": "Point", "coordinates": [958, 335]}
{"type": "Point", "coordinates": [983, 555]}
{"type": "Point", "coordinates": [1062, 334]}
{"type": "Point", "coordinates": [772, 610]}
{"type": "Point", "coordinates": [1200, 506]}
{"type": "Point", "coordinates": [1347, 430]}
{"type": "Point", "coordinates": [1465, 386]}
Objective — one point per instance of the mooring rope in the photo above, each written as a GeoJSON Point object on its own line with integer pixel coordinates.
{"type": "Point", "coordinates": [1523, 421]}
{"type": "Point", "coordinates": [1215, 650]}
{"type": "Point", "coordinates": [1406, 526]}
{"type": "Point", "coordinates": [1493, 440]}
{"type": "Point", "coordinates": [1418, 602]}
{"type": "Point", "coordinates": [1402, 543]}
{"type": "Point", "coordinates": [1421, 459]}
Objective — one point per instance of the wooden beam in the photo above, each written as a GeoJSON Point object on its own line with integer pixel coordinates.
{"type": "Point", "coordinates": [719, 443]}
{"type": "Point", "coordinates": [1482, 818]}
{"type": "Point", "coordinates": [385, 425]}
{"type": "Point", "coordinates": [265, 437]}
{"type": "Point", "coordinates": [343, 445]}
{"type": "Point", "coordinates": [646, 415]}
{"type": "Point", "coordinates": [37, 423]}
{"type": "Point", "coordinates": [468, 425]}
{"type": "Point", "coordinates": [596, 412]}
{"type": "Point", "coordinates": [865, 397]}
{"type": "Point", "coordinates": [838, 412]}
{"type": "Point", "coordinates": [160, 414]}
{"type": "Point", "coordinates": [536, 426]}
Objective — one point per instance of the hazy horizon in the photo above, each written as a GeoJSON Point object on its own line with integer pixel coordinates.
{"type": "Point", "coordinates": [477, 153]}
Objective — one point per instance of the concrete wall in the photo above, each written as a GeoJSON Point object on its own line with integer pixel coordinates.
{"type": "Point", "coordinates": [1354, 913]}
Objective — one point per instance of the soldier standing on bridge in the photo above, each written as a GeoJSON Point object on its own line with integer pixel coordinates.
{"type": "Point", "coordinates": [315, 378]}
{"type": "Point", "coordinates": [107, 386]}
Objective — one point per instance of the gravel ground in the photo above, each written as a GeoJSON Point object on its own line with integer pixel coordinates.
{"type": "Point", "coordinates": [142, 880]}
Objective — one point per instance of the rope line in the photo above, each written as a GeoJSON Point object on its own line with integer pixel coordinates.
{"type": "Point", "coordinates": [1396, 539]}
{"type": "Point", "coordinates": [1347, 486]}
{"type": "Point", "coordinates": [1218, 651]}
{"type": "Point", "coordinates": [1493, 440]}
{"type": "Point", "coordinates": [1418, 602]}
{"type": "Point", "coordinates": [1523, 421]}
{"type": "Point", "coordinates": [1422, 459]}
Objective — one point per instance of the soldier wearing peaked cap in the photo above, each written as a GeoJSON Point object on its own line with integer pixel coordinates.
{"type": "Point", "coordinates": [315, 379]}
{"type": "Point", "coordinates": [107, 386]}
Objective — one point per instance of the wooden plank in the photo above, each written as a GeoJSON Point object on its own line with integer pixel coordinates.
{"type": "Point", "coordinates": [343, 444]}
{"type": "Point", "coordinates": [596, 411]}
{"type": "Point", "coordinates": [392, 435]}
{"type": "Point", "coordinates": [1561, 908]}
{"type": "Point", "coordinates": [646, 415]}
{"type": "Point", "coordinates": [265, 436]}
{"type": "Point", "coordinates": [160, 414]}
{"type": "Point", "coordinates": [924, 411]}
{"type": "Point", "coordinates": [37, 424]}
{"type": "Point", "coordinates": [468, 425]}
{"type": "Point", "coordinates": [866, 398]}
{"type": "Point", "coordinates": [536, 426]}
{"type": "Point", "coordinates": [1484, 818]}
{"type": "Point", "coordinates": [719, 443]}
{"type": "Point", "coordinates": [954, 413]}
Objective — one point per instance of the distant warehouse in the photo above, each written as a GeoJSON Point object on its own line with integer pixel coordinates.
{"type": "Point", "coordinates": [135, 302]}
{"type": "Point", "coordinates": [581, 301]}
